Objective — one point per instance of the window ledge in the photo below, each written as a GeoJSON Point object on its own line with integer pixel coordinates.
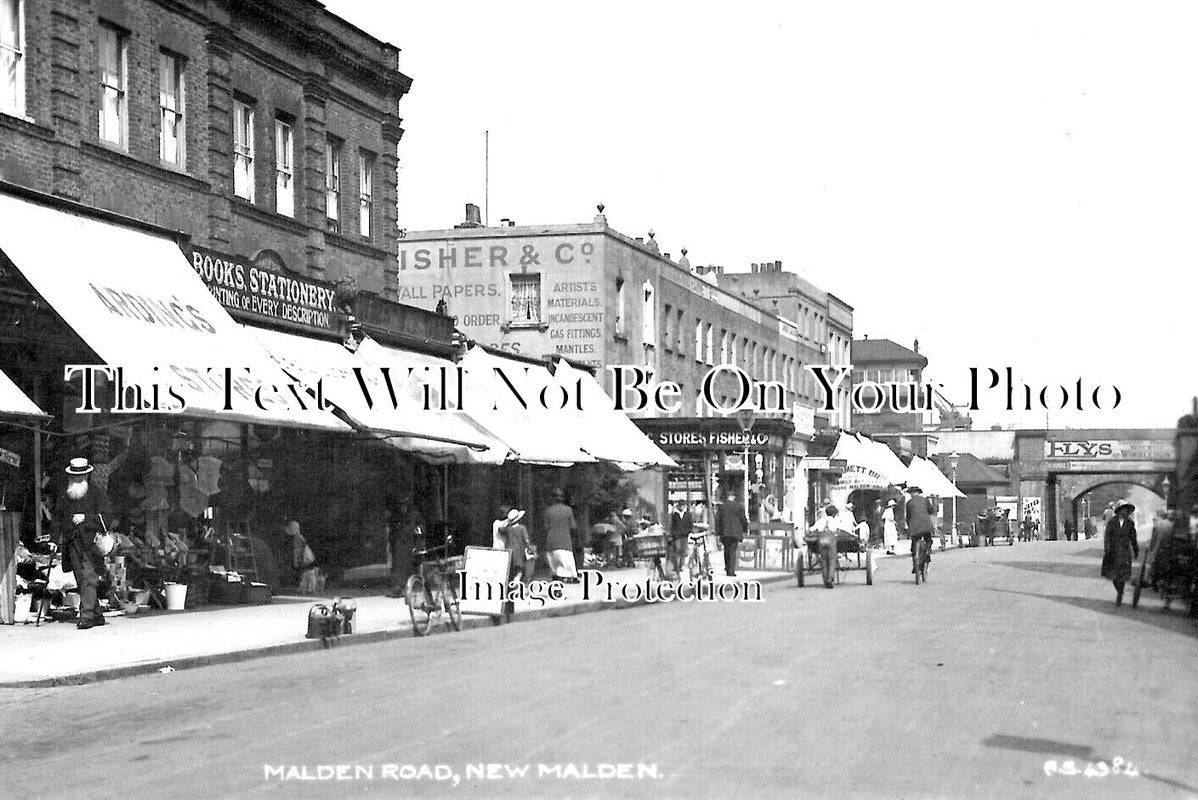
{"type": "Point", "coordinates": [247, 209]}
{"type": "Point", "coordinates": [20, 122]}
{"type": "Point", "coordinates": [354, 244]}
{"type": "Point", "coordinates": [524, 326]}
{"type": "Point", "coordinates": [113, 154]}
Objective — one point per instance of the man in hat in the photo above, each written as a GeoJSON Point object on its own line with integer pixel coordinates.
{"type": "Point", "coordinates": [560, 528]}
{"type": "Point", "coordinates": [919, 522]}
{"type": "Point", "coordinates": [731, 525]}
{"type": "Point", "coordinates": [405, 535]}
{"type": "Point", "coordinates": [80, 516]}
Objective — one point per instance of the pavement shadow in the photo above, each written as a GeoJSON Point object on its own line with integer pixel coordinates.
{"type": "Point", "coordinates": [1081, 752]}
{"type": "Point", "coordinates": [1054, 567]}
{"type": "Point", "coordinates": [1178, 623]}
{"type": "Point", "coordinates": [1092, 552]}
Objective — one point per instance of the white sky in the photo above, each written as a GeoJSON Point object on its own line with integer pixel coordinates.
{"type": "Point", "coordinates": [1014, 184]}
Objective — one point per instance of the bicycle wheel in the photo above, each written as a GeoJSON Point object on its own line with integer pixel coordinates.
{"type": "Point", "coordinates": [449, 599]}
{"type": "Point", "coordinates": [418, 606]}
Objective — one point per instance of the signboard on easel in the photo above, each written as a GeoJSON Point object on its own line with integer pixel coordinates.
{"type": "Point", "coordinates": [485, 581]}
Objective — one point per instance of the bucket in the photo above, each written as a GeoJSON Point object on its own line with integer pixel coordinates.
{"type": "Point", "coordinates": [176, 596]}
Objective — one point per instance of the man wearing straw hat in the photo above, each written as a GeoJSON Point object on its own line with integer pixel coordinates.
{"type": "Point", "coordinates": [81, 511]}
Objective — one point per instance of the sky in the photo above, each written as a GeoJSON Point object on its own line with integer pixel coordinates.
{"type": "Point", "coordinates": [1013, 184]}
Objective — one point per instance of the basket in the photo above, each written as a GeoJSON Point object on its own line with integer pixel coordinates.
{"type": "Point", "coordinates": [648, 545]}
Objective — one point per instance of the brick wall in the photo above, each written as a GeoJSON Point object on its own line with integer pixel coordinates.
{"type": "Point", "coordinates": [263, 50]}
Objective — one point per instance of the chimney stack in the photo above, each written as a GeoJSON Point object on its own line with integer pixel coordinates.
{"type": "Point", "coordinates": [917, 345]}
{"type": "Point", "coordinates": [474, 217]}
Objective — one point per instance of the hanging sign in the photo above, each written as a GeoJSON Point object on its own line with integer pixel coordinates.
{"type": "Point", "coordinates": [9, 457]}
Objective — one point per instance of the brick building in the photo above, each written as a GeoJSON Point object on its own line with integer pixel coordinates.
{"type": "Point", "coordinates": [591, 294]}
{"type": "Point", "coordinates": [262, 129]}
{"type": "Point", "coordinates": [824, 325]}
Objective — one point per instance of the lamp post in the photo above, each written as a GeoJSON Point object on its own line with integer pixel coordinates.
{"type": "Point", "coordinates": [746, 417]}
{"type": "Point", "coordinates": [954, 459]}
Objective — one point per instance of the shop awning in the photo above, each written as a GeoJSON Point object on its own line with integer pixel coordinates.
{"type": "Point", "coordinates": [928, 477]}
{"type": "Point", "coordinates": [504, 395]}
{"type": "Point", "coordinates": [135, 300]}
{"type": "Point", "coordinates": [420, 380]}
{"type": "Point", "coordinates": [14, 402]}
{"type": "Point", "coordinates": [866, 466]}
{"type": "Point", "coordinates": [605, 433]}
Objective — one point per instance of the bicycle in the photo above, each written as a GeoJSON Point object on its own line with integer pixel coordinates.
{"type": "Point", "coordinates": [432, 590]}
{"type": "Point", "coordinates": [920, 557]}
{"type": "Point", "coordinates": [698, 563]}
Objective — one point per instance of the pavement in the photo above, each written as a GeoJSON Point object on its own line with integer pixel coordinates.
{"type": "Point", "coordinates": [1010, 674]}
{"type": "Point", "coordinates": [56, 653]}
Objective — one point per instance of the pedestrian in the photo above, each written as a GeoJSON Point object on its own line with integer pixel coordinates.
{"type": "Point", "coordinates": [682, 524]}
{"type": "Point", "coordinates": [1027, 527]}
{"type": "Point", "coordinates": [1120, 548]}
{"type": "Point", "coordinates": [1108, 514]}
{"type": "Point", "coordinates": [407, 534]}
{"type": "Point", "coordinates": [919, 522]}
{"type": "Point", "coordinates": [499, 527]}
{"type": "Point", "coordinates": [731, 525]}
{"type": "Point", "coordinates": [889, 527]}
{"type": "Point", "coordinates": [825, 531]}
{"type": "Point", "coordinates": [1089, 528]}
{"type": "Point", "coordinates": [81, 510]}
{"type": "Point", "coordinates": [515, 541]}
{"type": "Point", "coordinates": [1070, 530]}
{"type": "Point", "coordinates": [303, 560]}
{"type": "Point", "coordinates": [560, 527]}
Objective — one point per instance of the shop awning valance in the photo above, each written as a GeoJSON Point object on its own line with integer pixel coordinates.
{"type": "Point", "coordinates": [14, 402]}
{"type": "Point", "coordinates": [605, 433]}
{"type": "Point", "coordinates": [504, 395]}
{"type": "Point", "coordinates": [136, 301]}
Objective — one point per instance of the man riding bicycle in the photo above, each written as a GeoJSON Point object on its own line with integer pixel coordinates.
{"type": "Point", "coordinates": [919, 523]}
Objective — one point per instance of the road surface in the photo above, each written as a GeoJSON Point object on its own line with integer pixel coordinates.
{"type": "Point", "coordinates": [1009, 663]}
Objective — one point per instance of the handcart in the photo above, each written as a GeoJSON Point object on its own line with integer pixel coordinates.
{"type": "Point", "coordinates": [851, 554]}
{"type": "Point", "coordinates": [1172, 573]}
{"type": "Point", "coordinates": [650, 548]}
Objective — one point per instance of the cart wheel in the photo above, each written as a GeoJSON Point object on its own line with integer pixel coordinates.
{"type": "Point", "coordinates": [869, 568]}
{"type": "Point", "coordinates": [1135, 594]}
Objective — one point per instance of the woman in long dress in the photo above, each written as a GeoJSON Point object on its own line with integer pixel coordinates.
{"type": "Point", "coordinates": [889, 528]}
{"type": "Point", "coordinates": [1120, 548]}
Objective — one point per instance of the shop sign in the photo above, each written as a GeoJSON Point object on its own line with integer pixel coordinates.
{"type": "Point", "coordinates": [1109, 450]}
{"type": "Point", "coordinates": [860, 477]}
{"type": "Point", "coordinates": [817, 462]}
{"type": "Point", "coordinates": [804, 420]}
{"type": "Point", "coordinates": [1034, 507]}
{"type": "Point", "coordinates": [251, 291]}
{"type": "Point", "coordinates": [9, 457]}
{"type": "Point", "coordinates": [714, 440]}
